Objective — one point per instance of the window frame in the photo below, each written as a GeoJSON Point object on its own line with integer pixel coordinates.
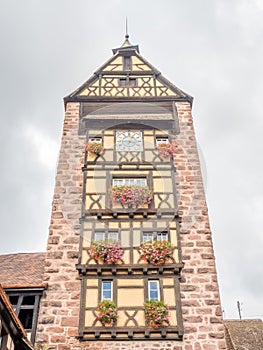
{"type": "Point", "coordinates": [153, 290]}
{"type": "Point", "coordinates": [126, 181]}
{"type": "Point", "coordinates": [128, 82]}
{"type": "Point", "coordinates": [103, 289]}
{"type": "Point", "coordinates": [35, 307]}
{"type": "Point", "coordinates": [106, 232]}
{"type": "Point", "coordinates": [155, 234]}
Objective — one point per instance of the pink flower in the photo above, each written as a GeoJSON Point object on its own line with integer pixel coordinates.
{"type": "Point", "coordinates": [166, 149]}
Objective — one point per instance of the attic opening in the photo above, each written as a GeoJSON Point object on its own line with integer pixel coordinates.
{"type": "Point", "coordinates": [127, 82]}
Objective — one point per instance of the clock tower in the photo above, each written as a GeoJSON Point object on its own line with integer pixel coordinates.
{"type": "Point", "coordinates": [130, 260]}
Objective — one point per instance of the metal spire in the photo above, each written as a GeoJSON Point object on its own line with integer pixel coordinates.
{"type": "Point", "coordinates": [126, 25]}
{"type": "Point", "coordinates": [126, 42]}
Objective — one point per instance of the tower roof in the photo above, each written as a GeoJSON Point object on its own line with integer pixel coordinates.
{"type": "Point", "coordinates": [127, 76]}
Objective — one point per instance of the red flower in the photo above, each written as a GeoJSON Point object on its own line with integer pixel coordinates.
{"type": "Point", "coordinates": [95, 148]}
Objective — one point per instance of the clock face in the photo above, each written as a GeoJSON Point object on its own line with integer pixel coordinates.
{"type": "Point", "coordinates": [129, 141]}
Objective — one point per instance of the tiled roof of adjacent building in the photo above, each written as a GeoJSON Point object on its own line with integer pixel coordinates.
{"type": "Point", "coordinates": [22, 269]}
{"type": "Point", "coordinates": [244, 334]}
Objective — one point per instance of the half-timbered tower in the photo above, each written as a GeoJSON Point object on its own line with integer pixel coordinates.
{"type": "Point", "coordinates": [129, 255]}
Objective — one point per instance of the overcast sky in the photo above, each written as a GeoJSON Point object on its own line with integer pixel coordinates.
{"type": "Point", "coordinates": [210, 49]}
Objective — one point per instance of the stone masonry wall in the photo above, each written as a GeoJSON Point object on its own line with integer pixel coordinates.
{"type": "Point", "coordinates": [59, 308]}
{"type": "Point", "coordinates": [202, 317]}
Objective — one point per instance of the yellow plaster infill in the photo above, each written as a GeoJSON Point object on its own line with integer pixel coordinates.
{"type": "Point", "coordinates": [126, 297]}
{"type": "Point", "coordinates": [130, 282]}
{"type": "Point", "coordinates": [168, 295]}
{"type": "Point", "coordinates": [168, 282]}
{"type": "Point", "coordinates": [168, 92]}
{"type": "Point", "coordinates": [91, 297]}
{"type": "Point", "coordinates": [92, 283]}
{"type": "Point", "coordinates": [89, 318]}
{"type": "Point", "coordinates": [84, 257]}
{"type": "Point", "coordinates": [115, 65]}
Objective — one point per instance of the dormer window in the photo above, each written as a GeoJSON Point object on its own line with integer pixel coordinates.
{"type": "Point", "coordinates": [127, 63]}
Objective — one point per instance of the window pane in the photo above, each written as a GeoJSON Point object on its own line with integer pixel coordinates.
{"type": "Point", "coordinates": [106, 290]}
{"type": "Point", "coordinates": [162, 236]}
{"type": "Point", "coordinates": [147, 236]}
{"type": "Point", "coordinates": [118, 182]}
{"type": "Point", "coordinates": [122, 83]}
{"type": "Point", "coordinates": [154, 290]}
{"type": "Point", "coordinates": [113, 236]}
{"type": "Point", "coordinates": [28, 300]}
{"type": "Point", "coordinates": [26, 317]}
{"type": "Point", "coordinates": [130, 182]}
{"type": "Point", "coordinates": [99, 236]}
{"type": "Point", "coordinates": [13, 299]}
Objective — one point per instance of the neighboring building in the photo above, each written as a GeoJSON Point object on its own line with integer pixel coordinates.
{"type": "Point", "coordinates": [12, 334]}
{"type": "Point", "coordinates": [244, 334]}
{"type": "Point", "coordinates": [21, 276]}
{"type": "Point", "coordinates": [129, 108]}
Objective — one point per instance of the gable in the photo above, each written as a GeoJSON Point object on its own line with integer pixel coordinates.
{"type": "Point", "coordinates": [127, 75]}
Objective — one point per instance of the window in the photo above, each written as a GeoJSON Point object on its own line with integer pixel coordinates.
{"type": "Point", "coordinates": [147, 236]}
{"type": "Point", "coordinates": [113, 236]}
{"type": "Point", "coordinates": [95, 139]}
{"type": "Point", "coordinates": [106, 290]}
{"type": "Point", "coordinates": [127, 82]}
{"type": "Point", "coordinates": [130, 182]}
{"type": "Point", "coordinates": [127, 63]}
{"type": "Point", "coordinates": [99, 236]}
{"type": "Point", "coordinates": [154, 236]}
{"type": "Point", "coordinates": [153, 290]}
{"type": "Point", "coordinates": [26, 307]}
{"type": "Point", "coordinates": [160, 140]}
{"type": "Point", "coordinates": [162, 236]}
{"type": "Point", "coordinates": [106, 235]}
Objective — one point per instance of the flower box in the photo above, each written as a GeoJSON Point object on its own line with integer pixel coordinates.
{"type": "Point", "coordinates": [156, 314]}
{"type": "Point", "coordinates": [107, 312]}
{"type": "Point", "coordinates": [107, 252]}
{"type": "Point", "coordinates": [166, 150]}
{"type": "Point", "coordinates": [132, 196]}
{"type": "Point", "coordinates": [156, 252]}
{"type": "Point", "coordinates": [94, 148]}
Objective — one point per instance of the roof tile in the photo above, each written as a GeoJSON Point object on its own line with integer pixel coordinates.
{"type": "Point", "coordinates": [244, 334]}
{"type": "Point", "coordinates": [23, 269]}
